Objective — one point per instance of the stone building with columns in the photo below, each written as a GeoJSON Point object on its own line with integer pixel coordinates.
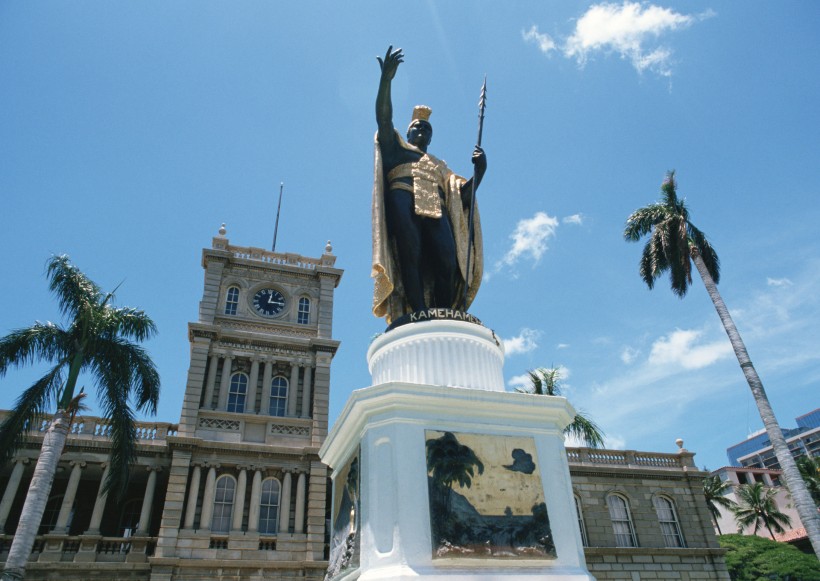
{"type": "Point", "coordinates": [235, 490]}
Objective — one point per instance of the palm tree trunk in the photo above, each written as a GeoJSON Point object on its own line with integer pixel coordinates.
{"type": "Point", "coordinates": [717, 526]}
{"type": "Point", "coordinates": [806, 508]}
{"type": "Point", "coordinates": [37, 497]}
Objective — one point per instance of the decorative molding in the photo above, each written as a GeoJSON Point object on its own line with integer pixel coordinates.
{"type": "Point", "coordinates": [287, 430]}
{"type": "Point", "coordinates": [219, 424]}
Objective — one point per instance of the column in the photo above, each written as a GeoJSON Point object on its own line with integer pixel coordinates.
{"type": "Point", "coordinates": [99, 504]}
{"type": "Point", "coordinates": [68, 498]}
{"type": "Point", "coordinates": [225, 383]}
{"type": "Point", "coordinates": [11, 490]}
{"type": "Point", "coordinates": [250, 400]}
{"type": "Point", "coordinates": [256, 499]}
{"type": "Point", "coordinates": [299, 527]}
{"type": "Point", "coordinates": [306, 392]}
{"type": "Point", "coordinates": [239, 499]}
{"type": "Point", "coordinates": [293, 389]}
{"type": "Point", "coordinates": [147, 502]}
{"type": "Point", "coordinates": [208, 500]}
{"type": "Point", "coordinates": [210, 382]}
{"type": "Point", "coordinates": [193, 495]}
{"type": "Point", "coordinates": [267, 376]}
{"type": "Point", "coordinates": [284, 504]}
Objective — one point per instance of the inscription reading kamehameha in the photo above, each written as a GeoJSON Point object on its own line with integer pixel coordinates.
{"type": "Point", "coordinates": [435, 314]}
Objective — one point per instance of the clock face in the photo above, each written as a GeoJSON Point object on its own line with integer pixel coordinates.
{"type": "Point", "coordinates": [268, 302]}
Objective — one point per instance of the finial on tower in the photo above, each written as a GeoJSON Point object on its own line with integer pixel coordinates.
{"type": "Point", "coordinates": [328, 248]}
{"type": "Point", "coordinates": [222, 230]}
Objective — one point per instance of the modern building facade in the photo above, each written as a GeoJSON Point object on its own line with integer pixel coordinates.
{"type": "Point", "coordinates": [756, 451]}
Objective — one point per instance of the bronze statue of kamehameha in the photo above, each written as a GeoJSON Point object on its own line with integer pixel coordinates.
{"type": "Point", "coordinates": [421, 210]}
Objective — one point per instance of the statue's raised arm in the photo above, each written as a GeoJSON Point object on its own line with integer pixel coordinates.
{"type": "Point", "coordinates": [384, 104]}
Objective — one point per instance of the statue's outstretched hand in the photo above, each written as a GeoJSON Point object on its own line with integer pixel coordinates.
{"type": "Point", "coordinates": [390, 63]}
{"type": "Point", "coordinates": [479, 160]}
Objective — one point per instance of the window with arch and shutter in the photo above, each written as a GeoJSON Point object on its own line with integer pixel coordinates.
{"type": "Point", "coordinates": [621, 521]}
{"type": "Point", "coordinates": [668, 519]}
{"type": "Point", "coordinates": [269, 506]}
{"type": "Point", "coordinates": [231, 300]}
{"type": "Point", "coordinates": [237, 393]}
{"type": "Point", "coordinates": [278, 396]}
{"type": "Point", "coordinates": [224, 492]}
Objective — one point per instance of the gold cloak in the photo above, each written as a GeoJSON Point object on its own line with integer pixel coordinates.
{"type": "Point", "coordinates": [389, 299]}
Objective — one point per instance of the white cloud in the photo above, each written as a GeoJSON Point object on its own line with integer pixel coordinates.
{"type": "Point", "coordinates": [779, 282]}
{"type": "Point", "coordinates": [630, 29]}
{"type": "Point", "coordinates": [574, 219]}
{"type": "Point", "coordinates": [543, 41]}
{"type": "Point", "coordinates": [519, 381]}
{"type": "Point", "coordinates": [530, 238]}
{"type": "Point", "coordinates": [524, 342]}
{"type": "Point", "coordinates": [562, 346]}
{"type": "Point", "coordinates": [679, 348]}
{"type": "Point", "coordinates": [629, 354]}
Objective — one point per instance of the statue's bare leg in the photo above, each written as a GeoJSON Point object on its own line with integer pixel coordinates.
{"type": "Point", "coordinates": [440, 252]}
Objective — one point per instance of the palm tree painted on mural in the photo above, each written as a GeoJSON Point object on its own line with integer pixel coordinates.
{"type": "Point", "coordinates": [715, 489]}
{"type": "Point", "coordinates": [674, 243]}
{"type": "Point", "coordinates": [450, 462]}
{"type": "Point", "coordinates": [756, 507]}
{"type": "Point", "coordinates": [547, 381]}
{"type": "Point", "coordinates": [98, 339]}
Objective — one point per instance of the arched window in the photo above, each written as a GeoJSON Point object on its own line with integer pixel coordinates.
{"type": "Point", "coordinates": [269, 507]}
{"type": "Point", "coordinates": [237, 393]}
{"type": "Point", "coordinates": [668, 518]}
{"type": "Point", "coordinates": [223, 504]}
{"type": "Point", "coordinates": [621, 521]}
{"type": "Point", "coordinates": [581, 524]}
{"type": "Point", "coordinates": [278, 396]}
{"type": "Point", "coordinates": [231, 300]}
{"type": "Point", "coordinates": [130, 517]}
{"type": "Point", "coordinates": [304, 311]}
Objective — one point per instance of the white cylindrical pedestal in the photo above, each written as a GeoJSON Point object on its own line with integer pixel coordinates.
{"type": "Point", "coordinates": [439, 352]}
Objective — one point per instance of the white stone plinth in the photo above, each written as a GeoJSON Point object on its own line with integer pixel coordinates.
{"type": "Point", "coordinates": [438, 352]}
{"type": "Point", "coordinates": [386, 425]}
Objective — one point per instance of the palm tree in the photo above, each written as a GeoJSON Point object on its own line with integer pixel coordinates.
{"type": "Point", "coordinates": [449, 462]}
{"type": "Point", "coordinates": [756, 506]}
{"type": "Point", "coordinates": [810, 472]}
{"type": "Point", "coordinates": [715, 489]}
{"type": "Point", "coordinates": [545, 381]}
{"type": "Point", "coordinates": [674, 242]}
{"type": "Point", "coordinates": [97, 340]}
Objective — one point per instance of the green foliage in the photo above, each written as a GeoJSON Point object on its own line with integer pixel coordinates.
{"type": "Point", "coordinates": [98, 339]}
{"type": "Point", "coordinates": [545, 381]}
{"type": "Point", "coordinates": [715, 489]}
{"type": "Point", "coordinates": [756, 507]}
{"type": "Point", "coordinates": [810, 471]}
{"type": "Point", "coordinates": [673, 240]}
{"type": "Point", "coordinates": [753, 558]}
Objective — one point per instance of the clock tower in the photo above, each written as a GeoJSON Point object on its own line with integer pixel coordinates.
{"type": "Point", "coordinates": [246, 482]}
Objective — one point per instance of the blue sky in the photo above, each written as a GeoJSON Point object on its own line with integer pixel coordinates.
{"type": "Point", "coordinates": [129, 131]}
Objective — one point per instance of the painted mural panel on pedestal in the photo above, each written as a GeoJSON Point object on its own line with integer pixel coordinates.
{"type": "Point", "coordinates": [345, 540]}
{"type": "Point", "coordinates": [486, 497]}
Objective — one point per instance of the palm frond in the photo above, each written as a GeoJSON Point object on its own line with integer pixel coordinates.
{"type": "Point", "coordinates": [30, 407]}
{"type": "Point", "coordinates": [643, 220]}
{"type": "Point", "coordinates": [669, 189]}
{"type": "Point", "coordinates": [584, 429]}
{"type": "Point", "coordinates": [133, 323]}
{"type": "Point", "coordinates": [73, 289]}
{"type": "Point", "coordinates": [113, 387]}
{"type": "Point", "coordinates": [24, 346]}
{"type": "Point", "coordinates": [706, 252]}
{"type": "Point", "coordinates": [143, 382]}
